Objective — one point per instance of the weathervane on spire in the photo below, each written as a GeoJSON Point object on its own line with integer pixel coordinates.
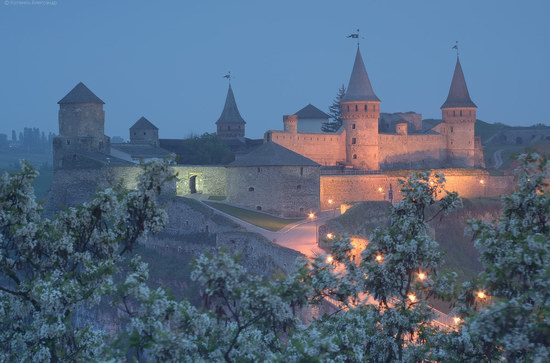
{"type": "Point", "coordinates": [228, 76]}
{"type": "Point", "coordinates": [456, 47]}
{"type": "Point", "coordinates": [355, 36]}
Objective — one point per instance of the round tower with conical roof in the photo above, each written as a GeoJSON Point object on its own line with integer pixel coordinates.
{"type": "Point", "coordinates": [230, 125]}
{"type": "Point", "coordinates": [360, 108]}
{"type": "Point", "coordinates": [459, 117]}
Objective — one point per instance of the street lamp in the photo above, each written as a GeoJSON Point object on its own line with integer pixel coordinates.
{"type": "Point", "coordinates": [330, 203]}
{"type": "Point", "coordinates": [312, 217]}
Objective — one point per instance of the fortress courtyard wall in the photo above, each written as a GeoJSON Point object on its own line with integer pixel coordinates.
{"type": "Point", "coordinates": [469, 183]}
{"type": "Point", "coordinates": [412, 150]}
{"type": "Point", "coordinates": [324, 149]}
{"type": "Point", "coordinates": [287, 191]}
{"type": "Point", "coordinates": [211, 180]}
{"type": "Point", "coordinates": [71, 187]}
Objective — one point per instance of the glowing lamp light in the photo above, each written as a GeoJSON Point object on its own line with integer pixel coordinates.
{"type": "Point", "coordinates": [330, 236]}
{"type": "Point", "coordinates": [431, 182]}
{"type": "Point", "coordinates": [481, 295]}
{"type": "Point", "coordinates": [311, 215]}
{"type": "Point", "coordinates": [330, 201]}
{"type": "Point", "coordinates": [380, 189]}
{"type": "Point", "coordinates": [457, 320]}
{"type": "Point", "coordinates": [379, 258]}
{"type": "Point", "coordinates": [481, 181]}
{"type": "Point", "coordinates": [412, 297]}
{"type": "Point", "coordinates": [422, 276]}
{"type": "Point", "coordinates": [330, 259]}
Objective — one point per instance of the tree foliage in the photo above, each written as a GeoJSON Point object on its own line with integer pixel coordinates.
{"type": "Point", "coordinates": [507, 309]}
{"type": "Point", "coordinates": [373, 305]}
{"type": "Point", "coordinates": [206, 149]}
{"type": "Point", "coordinates": [335, 112]}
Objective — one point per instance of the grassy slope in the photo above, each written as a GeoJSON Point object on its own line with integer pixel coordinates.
{"type": "Point", "coordinates": [262, 220]}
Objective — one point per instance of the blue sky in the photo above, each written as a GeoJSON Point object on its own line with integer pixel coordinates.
{"type": "Point", "coordinates": [165, 59]}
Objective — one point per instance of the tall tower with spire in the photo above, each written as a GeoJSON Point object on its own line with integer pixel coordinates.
{"type": "Point", "coordinates": [230, 125]}
{"type": "Point", "coordinates": [360, 110]}
{"type": "Point", "coordinates": [459, 117]}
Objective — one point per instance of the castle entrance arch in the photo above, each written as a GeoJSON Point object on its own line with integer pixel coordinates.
{"type": "Point", "coordinates": [193, 184]}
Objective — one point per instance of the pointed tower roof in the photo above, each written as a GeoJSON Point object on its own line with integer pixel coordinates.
{"type": "Point", "coordinates": [80, 94]}
{"type": "Point", "coordinates": [143, 123]}
{"type": "Point", "coordinates": [458, 93]}
{"type": "Point", "coordinates": [230, 113]}
{"type": "Point", "coordinates": [359, 87]}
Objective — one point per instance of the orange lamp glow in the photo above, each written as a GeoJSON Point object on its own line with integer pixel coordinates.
{"type": "Point", "coordinates": [412, 297]}
{"type": "Point", "coordinates": [330, 236]}
{"type": "Point", "coordinates": [330, 259]}
{"type": "Point", "coordinates": [457, 320]}
{"type": "Point", "coordinates": [481, 295]}
{"type": "Point", "coordinates": [379, 258]}
{"type": "Point", "coordinates": [422, 276]}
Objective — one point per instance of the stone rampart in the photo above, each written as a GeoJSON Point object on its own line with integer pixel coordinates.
{"type": "Point", "coordinates": [469, 183]}
{"type": "Point", "coordinates": [324, 149]}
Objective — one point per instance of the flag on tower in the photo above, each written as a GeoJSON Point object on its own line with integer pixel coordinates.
{"type": "Point", "coordinates": [353, 35]}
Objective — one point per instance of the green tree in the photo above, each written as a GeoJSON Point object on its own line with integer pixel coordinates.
{"type": "Point", "coordinates": [53, 270]}
{"type": "Point", "coordinates": [206, 149]}
{"type": "Point", "coordinates": [335, 112]}
{"type": "Point", "coordinates": [506, 311]}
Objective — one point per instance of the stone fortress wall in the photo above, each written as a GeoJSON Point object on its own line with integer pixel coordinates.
{"type": "Point", "coordinates": [324, 149]}
{"type": "Point", "coordinates": [468, 183]}
{"type": "Point", "coordinates": [402, 150]}
{"type": "Point", "coordinates": [288, 191]}
{"type": "Point", "coordinates": [210, 180]}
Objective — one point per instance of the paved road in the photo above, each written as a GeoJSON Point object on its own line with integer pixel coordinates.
{"type": "Point", "coordinates": [497, 157]}
{"type": "Point", "coordinates": [299, 236]}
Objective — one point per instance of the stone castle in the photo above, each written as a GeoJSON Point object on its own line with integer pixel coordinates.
{"type": "Point", "coordinates": [289, 172]}
{"type": "Point", "coordinates": [364, 141]}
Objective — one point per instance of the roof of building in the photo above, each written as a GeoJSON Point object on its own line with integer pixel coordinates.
{"type": "Point", "coordinates": [359, 87]}
{"type": "Point", "coordinates": [311, 111]}
{"type": "Point", "coordinates": [230, 113]}
{"type": "Point", "coordinates": [100, 158]}
{"type": "Point", "coordinates": [80, 94]}
{"type": "Point", "coordinates": [272, 154]}
{"type": "Point", "coordinates": [458, 93]}
{"type": "Point", "coordinates": [142, 151]}
{"type": "Point", "coordinates": [143, 124]}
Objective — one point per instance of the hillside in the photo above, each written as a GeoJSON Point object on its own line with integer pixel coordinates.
{"type": "Point", "coordinates": [458, 249]}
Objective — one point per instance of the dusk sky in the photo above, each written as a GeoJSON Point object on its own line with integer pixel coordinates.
{"type": "Point", "coordinates": [165, 60]}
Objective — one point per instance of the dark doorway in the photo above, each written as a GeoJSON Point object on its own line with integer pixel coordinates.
{"type": "Point", "coordinates": [193, 184]}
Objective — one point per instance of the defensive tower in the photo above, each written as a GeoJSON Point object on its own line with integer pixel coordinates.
{"type": "Point", "coordinates": [360, 109]}
{"type": "Point", "coordinates": [459, 117]}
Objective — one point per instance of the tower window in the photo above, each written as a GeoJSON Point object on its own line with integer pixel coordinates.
{"type": "Point", "coordinates": [298, 187]}
{"type": "Point", "coordinates": [460, 112]}
{"type": "Point", "coordinates": [68, 142]}
{"type": "Point", "coordinates": [356, 108]}
{"type": "Point", "coordinates": [366, 107]}
{"type": "Point", "coordinates": [259, 169]}
{"type": "Point", "coordinates": [355, 156]}
{"type": "Point", "coordinates": [302, 171]}
{"type": "Point", "coordinates": [348, 108]}
{"type": "Point", "coordinates": [228, 127]}
{"type": "Point", "coordinates": [354, 141]}
{"type": "Point", "coordinates": [135, 133]}
{"type": "Point", "coordinates": [251, 189]}
{"type": "Point", "coordinates": [353, 126]}
{"type": "Point", "coordinates": [452, 129]}
{"type": "Point", "coordinates": [258, 207]}
{"type": "Point", "coordinates": [454, 113]}
{"type": "Point", "coordinates": [144, 133]}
